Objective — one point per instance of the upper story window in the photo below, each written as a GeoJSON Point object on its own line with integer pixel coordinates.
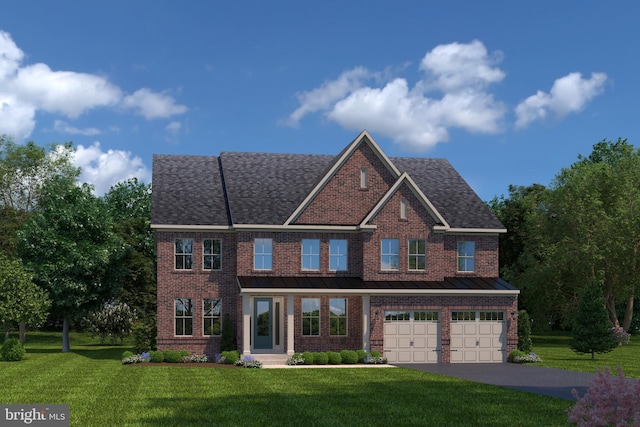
{"type": "Point", "coordinates": [311, 254]}
{"type": "Point", "coordinates": [466, 256]}
{"type": "Point", "coordinates": [403, 209]}
{"type": "Point", "coordinates": [212, 254]}
{"type": "Point", "coordinates": [184, 254]}
{"type": "Point", "coordinates": [417, 254]}
{"type": "Point", "coordinates": [310, 316]}
{"type": "Point", "coordinates": [390, 254]}
{"type": "Point", "coordinates": [364, 178]}
{"type": "Point", "coordinates": [262, 254]}
{"type": "Point", "coordinates": [338, 255]}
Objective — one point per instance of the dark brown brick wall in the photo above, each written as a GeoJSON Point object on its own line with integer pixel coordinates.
{"type": "Point", "coordinates": [342, 201]}
{"type": "Point", "coordinates": [196, 284]}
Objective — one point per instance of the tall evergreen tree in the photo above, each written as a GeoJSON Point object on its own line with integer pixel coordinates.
{"type": "Point", "coordinates": [592, 328]}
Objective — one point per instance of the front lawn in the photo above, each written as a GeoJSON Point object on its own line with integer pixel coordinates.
{"type": "Point", "coordinates": [103, 392]}
{"type": "Point", "coordinates": [553, 348]}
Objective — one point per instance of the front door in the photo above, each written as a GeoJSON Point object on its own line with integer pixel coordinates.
{"type": "Point", "coordinates": [263, 323]}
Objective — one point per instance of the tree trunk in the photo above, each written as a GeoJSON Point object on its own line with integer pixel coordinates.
{"type": "Point", "coordinates": [6, 331]}
{"type": "Point", "coordinates": [23, 332]}
{"type": "Point", "coordinates": [628, 313]}
{"type": "Point", "coordinates": [65, 335]}
{"type": "Point", "coordinates": [593, 355]}
{"type": "Point", "coordinates": [611, 306]}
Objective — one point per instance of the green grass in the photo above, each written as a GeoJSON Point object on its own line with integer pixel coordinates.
{"type": "Point", "coordinates": [553, 348]}
{"type": "Point", "coordinates": [103, 392]}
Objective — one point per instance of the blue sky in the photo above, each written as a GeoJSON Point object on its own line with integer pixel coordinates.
{"type": "Point", "coordinates": [508, 92]}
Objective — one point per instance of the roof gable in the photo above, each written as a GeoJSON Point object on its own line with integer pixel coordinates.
{"type": "Point", "coordinates": [405, 179]}
{"type": "Point", "coordinates": [338, 163]}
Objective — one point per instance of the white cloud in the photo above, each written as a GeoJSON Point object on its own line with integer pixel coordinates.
{"type": "Point", "coordinates": [27, 89]}
{"type": "Point", "coordinates": [152, 105]}
{"type": "Point", "coordinates": [569, 94]}
{"type": "Point", "coordinates": [173, 127]}
{"type": "Point", "coordinates": [105, 169]}
{"type": "Point", "coordinates": [64, 127]}
{"type": "Point", "coordinates": [411, 116]}
{"type": "Point", "coordinates": [327, 94]}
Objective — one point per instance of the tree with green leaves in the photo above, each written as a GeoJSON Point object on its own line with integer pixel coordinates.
{"type": "Point", "coordinates": [24, 170]}
{"type": "Point", "coordinates": [70, 247]}
{"type": "Point", "coordinates": [585, 228]}
{"type": "Point", "coordinates": [129, 204]}
{"type": "Point", "coordinates": [592, 330]}
{"type": "Point", "coordinates": [21, 300]}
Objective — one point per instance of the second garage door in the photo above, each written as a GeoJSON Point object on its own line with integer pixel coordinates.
{"type": "Point", "coordinates": [478, 337]}
{"type": "Point", "coordinates": [412, 336]}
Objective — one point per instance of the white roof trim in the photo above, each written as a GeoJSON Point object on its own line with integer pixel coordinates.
{"type": "Point", "coordinates": [364, 136]}
{"type": "Point", "coordinates": [419, 194]}
{"type": "Point", "coordinates": [263, 227]}
{"type": "Point", "coordinates": [171, 227]}
{"type": "Point", "coordinates": [377, 292]}
{"type": "Point", "coordinates": [475, 230]}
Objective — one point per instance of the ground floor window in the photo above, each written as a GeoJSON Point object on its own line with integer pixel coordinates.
{"type": "Point", "coordinates": [463, 315]}
{"type": "Point", "coordinates": [184, 316]}
{"type": "Point", "coordinates": [311, 316]}
{"type": "Point", "coordinates": [211, 308]}
{"type": "Point", "coordinates": [337, 316]}
{"type": "Point", "coordinates": [487, 316]}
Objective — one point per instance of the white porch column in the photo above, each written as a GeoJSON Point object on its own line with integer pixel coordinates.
{"type": "Point", "coordinates": [246, 324]}
{"type": "Point", "coordinates": [290, 328]}
{"type": "Point", "coordinates": [366, 322]}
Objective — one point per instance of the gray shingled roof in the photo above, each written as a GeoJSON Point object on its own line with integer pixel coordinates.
{"type": "Point", "coordinates": [267, 188]}
{"type": "Point", "coordinates": [449, 193]}
{"type": "Point", "coordinates": [187, 190]}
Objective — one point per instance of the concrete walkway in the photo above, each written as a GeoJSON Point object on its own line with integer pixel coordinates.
{"type": "Point", "coordinates": [524, 377]}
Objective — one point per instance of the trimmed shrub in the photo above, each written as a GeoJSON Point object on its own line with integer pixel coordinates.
{"type": "Point", "coordinates": [362, 355]}
{"type": "Point", "coordinates": [524, 332]}
{"type": "Point", "coordinates": [230, 357]}
{"type": "Point", "coordinates": [349, 357]}
{"type": "Point", "coordinates": [144, 336]}
{"type": "Point", "coordinates": [184, 353]}
{"type": "Point", "coordinates": [296, 359]}
{"type": "Point", "coordinates": [126, 354]}
{"type": "Point", "coordinates": [156, 356]}
{"type": "Point", "coordinates": [308, 358]}
{"type": "Point", "coordinates": [514, 354]}
{"type": "Point", "coordinates": [172, 356]}
{"type": "Point", "coordinates": [375, 354]}
{"type": "Point", "coordinates": [12, 350]}
{"type": "Point", "coordinates": [334, 358]}
{"type": "Point", "coordinates": [321, 358]}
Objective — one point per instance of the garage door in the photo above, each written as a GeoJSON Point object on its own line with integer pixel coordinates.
{"type": "Point", "coordinates": [478, 337]}
{"type": "Point", "coordinates": [412, 336]}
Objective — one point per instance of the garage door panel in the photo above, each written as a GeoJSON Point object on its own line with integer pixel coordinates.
{"type": "Point", "coordinates": [469, 342]}
{"type": "Point", "coordinates": [390, 329]}
{"type": "Point", "coordinates": [413, 338]}
{"type": "Point", "coordinates": [477, 337]}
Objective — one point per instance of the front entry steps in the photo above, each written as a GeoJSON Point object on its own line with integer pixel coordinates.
{"type": "Point", "coordinates": [271, 359]}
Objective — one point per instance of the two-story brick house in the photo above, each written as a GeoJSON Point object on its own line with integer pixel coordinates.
{"type": "Point", "coordinates": [317, 253]}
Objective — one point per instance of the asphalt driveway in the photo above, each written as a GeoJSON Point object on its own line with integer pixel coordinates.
{"type": "Point", "coordinates": [524, 377]}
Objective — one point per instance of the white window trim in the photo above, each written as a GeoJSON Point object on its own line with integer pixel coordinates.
{"type": "Point", "coordinates": [184, 255]}
{"type": "Point", "coordinates": [309, 256]}
{"type": "Point", "coordinates": [183, 318]}
{"type": "Point", "coordinates": [319, 317]}
{"type": "Point", "coordinates": [346, 318]}
{"type": "Point", "coordinates": [472, 256]}
{"type": "Point", "coordinates": [403, 208]}
{"type": "Point", "coordinates": [364, 178]}
{"type": "Point", "coordinates": [204, 316]}
{"type": "Point", "coordinates": [410, 254]}
{"type": "Point", "coordinates": [262, 254]}
{"type": "Point", "coordinates": [344, 256]}
{"type": "Point", "coordinates": [211, 255]}
{"type": "Point", "coordinates": [389, 254]}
